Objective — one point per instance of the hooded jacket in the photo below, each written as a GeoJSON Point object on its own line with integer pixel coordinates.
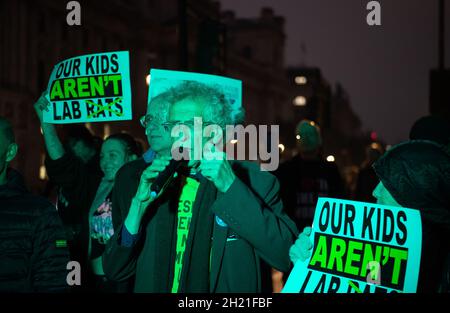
{"type": "Point", "coordinates": [33, 251]}
{"type": "Point", "coordinates": [417, 174]}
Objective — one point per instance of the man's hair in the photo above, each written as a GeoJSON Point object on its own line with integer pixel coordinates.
{"type": "Point", "coordinates": [217, 109]}
{"type": "Point", "coordinates": [159, 106]}
{"type": "Point", "coordinates": [6, 130]}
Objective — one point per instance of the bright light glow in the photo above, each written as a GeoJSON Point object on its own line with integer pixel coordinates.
{"type": "Point", "coordinates": [281, 147]}
{"type": "Point", "coordinates": [301, 80]}
{"type": "Point", "coordinates": [375, 146]}
{"type": "Point", "coordinates": [147, 79]}
{"type": "Point", "coordinates": [42, 173]}
{"type": "Point", "coordinates": [297, 137]}
{"type": "Point", "coordinates": [106, 131]}
{"type": "Point", "coordinates": [299, 101]}
{"type": "Point", "coordinates": [89, 127]}
{"type": "Point", "coordinates": [233, 141]}
{"type": "Point", "coordinates": [330, 158]}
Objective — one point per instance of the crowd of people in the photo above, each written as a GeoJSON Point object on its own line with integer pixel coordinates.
{"type": "Point", "coordinates": [219, 226]}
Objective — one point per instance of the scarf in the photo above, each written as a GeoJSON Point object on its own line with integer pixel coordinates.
{"type": "Point", "coordinates": [195, 271]}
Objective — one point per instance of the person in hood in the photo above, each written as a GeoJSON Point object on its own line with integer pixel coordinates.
{"type": "Point", "coordinates": [416, 175]}
{"type": "Point", "coordinates": [33, 249]}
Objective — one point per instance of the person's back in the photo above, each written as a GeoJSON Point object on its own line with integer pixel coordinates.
{"type": "Point", "coordinates": [307, 176]}
{"type": "Point", "coordinates": [33, 249]}
{"type": "Point", "coordinates": [302, 182]}
{"type": "Point", "coordinates": [33, 253]}
{"type": "Point", "coordinates": [367, 179]}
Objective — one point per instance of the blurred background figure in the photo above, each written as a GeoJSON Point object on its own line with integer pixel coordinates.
{"type": "Point", "coordinates": [415, 174]}
{"type": "Point", "coordinates": [432, 128]}
{"type": "Point", "coordinates": [436, 129]}
{"type": "Point", "coordinates": [308, 176]}
{"type": "Point", "coordinates": [367, 179]}
{"type": "Point", "coordinates": [83, 144]}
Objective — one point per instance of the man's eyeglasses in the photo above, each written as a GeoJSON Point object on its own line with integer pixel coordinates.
{"type": "Point", "coordinates": [190, 124]}
{"type": "Point", "coordinates": [149, 120]}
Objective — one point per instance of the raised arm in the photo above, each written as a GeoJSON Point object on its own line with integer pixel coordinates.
{"type": "Point", "coordinates": [54, 146]}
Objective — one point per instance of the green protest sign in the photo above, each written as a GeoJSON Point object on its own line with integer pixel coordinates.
{"type": "Point", "coordinates": [360, 247]}
{"type": "Point", "coordinates": [163, 80]}
{"type": "Point", "coordinates": [90, 88]}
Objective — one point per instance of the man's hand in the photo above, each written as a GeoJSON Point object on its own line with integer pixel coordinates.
{"type": "Point", "coordinates": [301, 249]}
{"type": "Point", "coordinates": [148, 176]}
{"type": "Point", "coordinates": [218, 171]}
{"type": "Point", "coordinates": [143, 196]}
{"type": "Point", "coordinates": [41, 104]}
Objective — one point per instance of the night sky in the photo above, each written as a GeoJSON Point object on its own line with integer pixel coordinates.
{"type": "Point", "coordinates": [385, 69]}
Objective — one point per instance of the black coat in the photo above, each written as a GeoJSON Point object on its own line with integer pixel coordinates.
{"type": "Point", "coordinates": [32, 252]}
{"type": "Point", "coordinates": [252, 211]}
{"type": "Point", "coordinates": [80, 184]}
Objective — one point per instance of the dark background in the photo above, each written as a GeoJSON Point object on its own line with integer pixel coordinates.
{"type": "Point", "coordinates": [364, 83]}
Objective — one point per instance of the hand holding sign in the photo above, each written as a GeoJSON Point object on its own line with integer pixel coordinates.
{"type": "Point", "coordinates": [41, 105]}
{"type": "Point", "coordinates": [358, 247]}
{"type": "Point", "coordinates": [301, 250]}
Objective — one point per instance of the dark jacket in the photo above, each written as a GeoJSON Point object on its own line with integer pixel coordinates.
{"type": "Point", "coordinates": [80, 184]}
{"type": "Point", "coordinates": [303, 182]}
{"type": "Point", "coordinates": [33, 255]}
{"type": "Point", "coordinates": [251, 209]}
{"type": "Point", "coordinates": [417, 174]}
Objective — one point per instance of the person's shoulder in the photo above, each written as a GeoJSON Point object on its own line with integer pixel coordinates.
{"type": "Point", "coordinates": [32, 205]}
{"type": "Point", "coordinates": [131, 170]}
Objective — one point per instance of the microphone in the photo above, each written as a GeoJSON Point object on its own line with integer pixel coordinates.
{"type": "Point", "coordinates": [165, 177]}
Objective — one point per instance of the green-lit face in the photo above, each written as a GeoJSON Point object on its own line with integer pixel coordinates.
{"type": "Point", "coordinates": [112, 156]}
{"type": "Point", "coordinates": [383, 196]}
{"type": "Point", "coordinates": [183, 112]}
{"type": "Point", "coordinates": [158, 136]}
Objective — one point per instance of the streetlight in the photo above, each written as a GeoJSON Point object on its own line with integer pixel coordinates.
{"type": "Point", "coordinates": [299, 101]}
{"type": "Point", "coordinates": [330, 158]}
{"type": "Point", "coordinates": [147, 79]}
{"type": "Point", "coordinates": [281, 147]}
{"type": "Point", "coordinates": [300, 80]}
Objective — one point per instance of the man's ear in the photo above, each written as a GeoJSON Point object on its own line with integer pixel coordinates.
{"type": "Point", "coordinates": [12, 152]}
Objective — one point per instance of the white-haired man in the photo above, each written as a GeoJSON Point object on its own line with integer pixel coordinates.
{"type": "Point", "coordinates": [210, 229]}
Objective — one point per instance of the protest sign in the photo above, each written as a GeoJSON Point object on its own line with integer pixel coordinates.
{"type": "Point", "coordinates": [163, 80]}
{"type": "Point", "coordinates": [90, 88]}
{"type": "Point", "coordinates": [360, 247]}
